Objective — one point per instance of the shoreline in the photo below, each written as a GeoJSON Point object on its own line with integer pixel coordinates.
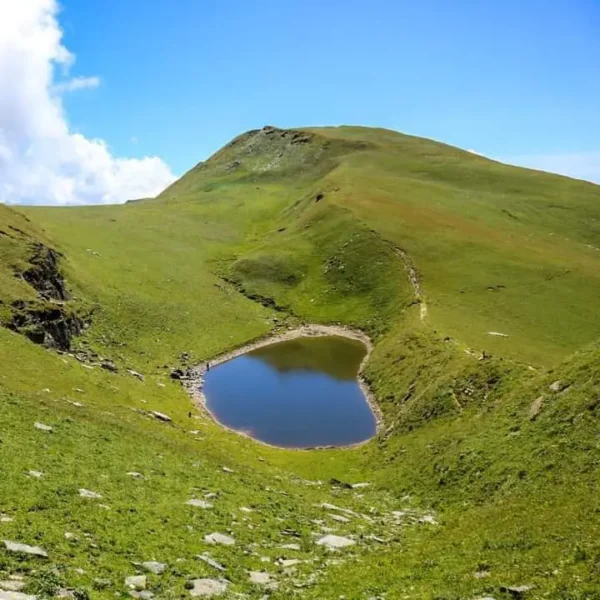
{"type": "Point", "coordinates": [195, 375]}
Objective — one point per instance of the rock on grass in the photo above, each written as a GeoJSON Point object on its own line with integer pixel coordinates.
{"type": "Point", "coordinates": [25, 549]}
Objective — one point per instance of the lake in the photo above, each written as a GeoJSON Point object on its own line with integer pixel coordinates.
{"type": "Point", "coordinates": [300, 393]}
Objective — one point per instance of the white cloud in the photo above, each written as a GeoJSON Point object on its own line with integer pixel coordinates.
{"type": "Point", "coordinates": [41, 160]}
{"type": "Point", "coordinates": [580, 165]}
{"type": "Point", "coordinates": [76, 83]}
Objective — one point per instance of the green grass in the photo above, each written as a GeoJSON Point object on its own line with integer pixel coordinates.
{"type": "Point", "coordinates": [282, 228]}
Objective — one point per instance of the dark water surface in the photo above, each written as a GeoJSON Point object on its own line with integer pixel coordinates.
{"type": "Point", "coordinates": [295, 394]}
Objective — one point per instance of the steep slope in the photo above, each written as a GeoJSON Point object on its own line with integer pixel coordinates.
{"type": "Point", "coordinates": [485, 473]}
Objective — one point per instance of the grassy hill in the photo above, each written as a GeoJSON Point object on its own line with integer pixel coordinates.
{"type": "Point", "coordinates": [486, 472]}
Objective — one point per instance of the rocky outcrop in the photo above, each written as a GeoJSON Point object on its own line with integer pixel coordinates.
{"type": "Point", "coordinates": [51, 320]}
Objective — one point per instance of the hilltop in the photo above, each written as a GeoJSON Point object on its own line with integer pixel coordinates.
{"type": "Point", "coordinates": [477, 283]}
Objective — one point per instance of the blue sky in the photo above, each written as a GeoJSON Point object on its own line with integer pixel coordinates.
{"type": "Point", "coordinates": [506, 78]}
{"type": "Point", "coordinates": [513, 80]}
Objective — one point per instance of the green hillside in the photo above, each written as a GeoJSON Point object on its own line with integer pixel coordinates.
{"type": "Point", "coordinates": [478, 284]}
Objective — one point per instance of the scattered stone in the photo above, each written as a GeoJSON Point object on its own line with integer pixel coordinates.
{"type": "Point", "coordinates": [154, 567]}
{"type": "Point", "coordinates": [8, 595]}
{"type": "Point", "coordinates": [69, 535]}
{"type": "Point", "coordinates": [290, 547]}
{"type": "Point", "coordinates": [481, 574]}
{"type": "Point", "coordinates": [177, 374]}
{"type": "Point", "coordinates": [207, 588]}
{"type": "Point", "coordinates": [535, 408]}
{"type": "Point", "coordinates": [109, 365]}
{"type": "Point", "coordinates": [76, 404]}
{"type": "Point", "coordinates": [342, 484]}
{"type": "Point", "coordinates": [136, 374]}
{"type": "Point", "coordinates": [335, 541]}
{"type": "Point", "coordinates": [260, 577]}
{"type": "Point", "coordinates": [135, 475]}
{"type": "Point", "coordinates": [245, 509]}
{"type": "Point", "coordinates": [227, 470]}
{"type": "Point", "coordinates": [219, 538]}
{"type": "Point", "coordinates": [43, 427]}
{"type": "Point", "coordinates": [199, 503]}
{"type": "Point", "coordinates": [290, 562]}
{"type": "Point", "coordinates": [25, 549]}
{"type": "Point", "coordinates": [428, 519]}
{"type": "Point", "coordinates": [89, 494]}
{"type": "Point", "coordinates": [143, 595]}
{"type": "Point", "coordinates": [339, 518]}
{"type": "Point", "coordinates": [497, 334]}
{"type": "Point", "coordinates": [209, 561]}
{"type": "Point", "coordinates": [358, 486]}
{"type": "Point", "coordinates": [558, 386]}
{"type": "Point", "coordinates": [136, 582]}
{"type": "Point", "coordinates": [161, 416]}
{"type": "Point", "coordinates": [5, 519]}
{"type": "Point", "coordinates": [516, 591]}
{"type": "Point", "coordinates": [35, 474]}
{"type": "Point", "coordinates": [12, 585]}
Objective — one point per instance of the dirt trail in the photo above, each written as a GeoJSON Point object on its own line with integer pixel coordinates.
{"type": "Point", "coordinates": [415, 280]}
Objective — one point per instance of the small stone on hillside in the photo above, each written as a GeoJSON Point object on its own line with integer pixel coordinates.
{"type": "Point", "coordinates": [154, 567]}
{"type": "Point", "coordinates": [161, 416]}
{"type": "Point", "coordinates": [358, 486]}
{"type": "Point", "coordinates": [136, 582]}
{"type": "Point", "coordinates": [335, 541]}
{"type": "Point", "coordinates": [35, 474]}
{"type": "Point", "coordinates": [339, 518]}
{"type": "Point", "coordinates": [290, 562]}
{"type": "Point", "coordinates": [43, 427]}
{"type": "Point", "coordinates": [246, 509]}
{"type": "Point", "coordinates": [535, 408]}
{"type": "Point", "coordinates": [135, 475]}
{"type": "Point", "coordinates": [219, 538]}
{"type": "Point", "coordinates": [290, 547]}
{"type": "Point", "coordinates": [227, 470]}
{"type": "Point", "coordinates": [89, 494]}
{"type": "Point", "coordinates": [260, 578]}
{"type": "Point", "coordinates": [143, 595]}
{"type": "Point", "coordinates": [207, 588]}
{"type": "Point", "coordinates": [199, 503]}
{"type": "Point", "coordinates": [25, 549]}
{"type": "Point", "coordinates": [5, 519]}
{"type": "Point", "coordinates": [428, 519]}
{"type": "Point", "coordinates": [12, 585]}
{"type": "Point", "coordinates": [209, 561]}
{"type": "Point", "coordinates": [15, 596]}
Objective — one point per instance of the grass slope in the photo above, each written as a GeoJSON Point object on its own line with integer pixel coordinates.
{"type": "Point", "coordinates": [282, 227]}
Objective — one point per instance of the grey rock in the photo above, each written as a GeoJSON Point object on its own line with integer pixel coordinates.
{"type": "Point", "coordinates": [25, 549]}
{"type": "Point", "coordinates": [136, 582]}
{"type": "Point", "coordinates": [154, 567]}
{"type": "Point", "coordinates": [8, 595]}
{"type": "Point", "coordinates": [143, 595]}
{"type": "Point", "coordinates": [209, 561]}
{"type": "Point", "coordinates": [199, 503]}
{"type": "Point", "coordinates": [43, 427]}
{"type": "Point", "coordinates": [161, 416]}
{"type": "Point", "coordinates": [335, 541]}
{"type": "Point", "coordinates": [219, 538]}
{"type": "Point", "coordinates": [261, 578]}
{"type": "Point", "coordinates": [12, 585]}
{"type": "Point", "coordinates": [89, 494]}
{"type": "Point", "coordinates": [35, 474]}
{"type": "Point", "coordinates": [208, 588]}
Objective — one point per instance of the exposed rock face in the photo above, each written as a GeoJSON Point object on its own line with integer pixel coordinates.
{"type": "Point", "coordinates": [44, 274]}
{"type": "Point", "coordinates": [48, 320]}
{"type": "Point", "coordinates": [54, 326]}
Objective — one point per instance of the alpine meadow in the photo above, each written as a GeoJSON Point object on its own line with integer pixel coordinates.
{"type": "Point", "coordinates": [475, 286]}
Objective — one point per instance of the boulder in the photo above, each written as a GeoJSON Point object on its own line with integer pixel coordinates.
{"type": "Point", "coordinates": [25, 549]}
{"type": "Point", "coordinates": [335, 541]}
{"type": "Point", "coordinates": [208, 588]}
{"type": "Point", "coordinates": [154, 567]}
{"type": "Point", "coordinates": [219, 538]}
